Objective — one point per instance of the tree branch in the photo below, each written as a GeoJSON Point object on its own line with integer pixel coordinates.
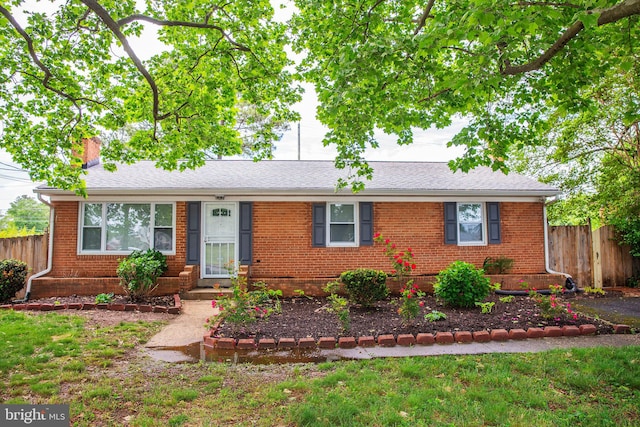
{"type": "Point", "coordinates": [423, 19]}
{"type": "Point", "coordinates": [34, 57]}
{"type": "Point", "coordinates": [139, 17]}
{"type": "Point", "coordinates": [113, 26]}
{"type": "Point", "coordinates": [607, 16]}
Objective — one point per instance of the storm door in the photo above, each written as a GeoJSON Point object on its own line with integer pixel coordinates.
{"type": "Point", "coordinates": [220, 235]}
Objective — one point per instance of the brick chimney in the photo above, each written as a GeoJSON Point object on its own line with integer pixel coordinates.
{"type": "Point", "coordinates": [90, 152]}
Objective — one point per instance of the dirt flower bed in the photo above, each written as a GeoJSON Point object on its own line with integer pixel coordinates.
{"type": "Point", "coordinates": [303, 317]}
{"type": "Point", "coordinates": [163, 301]}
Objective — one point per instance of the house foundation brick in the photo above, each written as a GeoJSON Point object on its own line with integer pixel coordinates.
{"type": "Point", "coordinates": [552, 331]}
{"type": "Point", "coordinates": [588, 329]}
{"type": "Point", "coordinates": [347, 342]}
{"type": "Point", "coordinates": [463, 337]}
{"type": "Point", "coordinates": [481, 336]}
{"type": "Point", "coordinates": [266, 343]}
{"type": "Point", "coordinates": [286, 343]}
{"type": "Point", "coordinates": [327, 342]}
{"type": "Point", "coordinates": [307, 342]}
{"type": "Point", "coordinates": [499, 335]}
{"type": "Point", "coordinates": [570, 331]}
{"type": "Point", "coordinates": [246, 344]}
{"type": "Point", "coordinates": [226, 343]}
{"type": "Point", "coordinates": [535, 333]}
{"type": "Point", "coordinates": [517, 334]}
{"type": "Point", "coordinates": [444, 338]}
{"type": "Point", "coordinates": [425, 339]}
{"type": "Point", "coordinates": [621, 329]}
{"type": "Point", "coordinates": [386, 340]}
{"type": "Point", "coordinates": [406, 340]}
{"type": "Point", "coordinates": [367, 341]}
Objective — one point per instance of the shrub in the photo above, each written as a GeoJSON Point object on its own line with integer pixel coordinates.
{"type": "Point", "coordinates": [461, 285]}
{"type": "Point", "coordinates": [139, 273]}
{"type": "Point", "coordinates": [339, 305]}
{"type": "Point", "coordinates": [365, 286]}
{"type": "Point", "coordinates": [13, 274]}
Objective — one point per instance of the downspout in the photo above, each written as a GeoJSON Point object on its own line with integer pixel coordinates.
{"type": "Point", "coordinates": [570, 285]}
{"type": "Point", "coordinates": [49, 253]}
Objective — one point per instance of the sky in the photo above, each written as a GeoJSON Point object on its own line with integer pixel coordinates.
{"type": "Point", "coordinates": [429, 145]}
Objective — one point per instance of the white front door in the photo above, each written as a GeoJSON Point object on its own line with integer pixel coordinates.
{"type": "Point", "coordinates": [220, 235]}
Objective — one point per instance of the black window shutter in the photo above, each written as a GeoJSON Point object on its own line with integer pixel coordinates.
{"type": "Point", "coordinates": [366, 223]}
{"type": "Point", "coordinates": [319, 214]}
{"type": "Point", "coordinates": [493, 222]}
{"type": "Point", "coordinates": [450, 223]}
{"type": "Point", "coordinates": [246, 233]}
{"type": "Point", "coordinates": [193, 233]}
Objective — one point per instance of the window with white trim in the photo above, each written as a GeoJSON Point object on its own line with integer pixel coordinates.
{"type": "Point", "coordinates": [471, 224]}
{"type": "Point", "coordinates": [341, 224]}
{"type": "Point", "coordinates": [120, 228]}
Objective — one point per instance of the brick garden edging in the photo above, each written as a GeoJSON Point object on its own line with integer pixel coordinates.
{"type": "Point", "coordinates": [143, 308]}
{"type": "Point", "coordinates": [402, 340]}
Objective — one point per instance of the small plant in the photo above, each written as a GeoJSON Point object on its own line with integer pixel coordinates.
{"type": "Point", "coordinates": [365, 286]}
{"type": "Point", "coordinates": [507, 299]}
{"type": "Point", "coordinates": [633, 282]}
{"type": "Point", "coordinates": [594, 291]}
{"type": "Point", "coordinates": [556, 289]}
{"type": "Point", "coordinates": [550, 306]}
{"type": "Point", "coordinates": [13, 274]}
{"type": "Point", "coordinates": [500, 265]}
{"type": "Point", "coordinates": [410, 303]}
{"type": "Point", "coordinates": [300, 293]}
{"type": "Point", "coordinates": [104, 298]}
{"type": "Point", "coordinates": [139, 273]}
{"type": "Point", "coordinates": [339, 305]}
{"type": "Point", "coordinates": [486, 306]}
{"type": "Point", "coordinates": [495, 287]}
{"type": "Point", "coordinates": [461, 285]}
{"type": "Point", "coordinates": [435, 315]}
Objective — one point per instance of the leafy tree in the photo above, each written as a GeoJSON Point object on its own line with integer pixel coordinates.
{"type": "Point", "coordinates": [26, 213]}
{"type": "Point", "coordinates": [594, 157]}
{"type": "Point", "coordinates": [72, 73]}
{"type": "Point", "coordinates": [399, 65]}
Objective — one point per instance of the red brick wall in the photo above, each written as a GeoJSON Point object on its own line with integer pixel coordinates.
{"type": "Point", "coordinates": [67, 262]}
{"type": "Point", "coordinates": [282, 240]}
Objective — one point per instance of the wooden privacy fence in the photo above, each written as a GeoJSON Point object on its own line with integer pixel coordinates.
{"type": "Point", "coordinates": [29, 249]}
{"type": "Point", "coordinates": [592, 258]}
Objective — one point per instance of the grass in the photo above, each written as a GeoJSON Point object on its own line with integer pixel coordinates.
{"type": "Point", "coordinates": [50, 358]}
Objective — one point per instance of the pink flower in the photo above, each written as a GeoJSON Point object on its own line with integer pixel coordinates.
{"type": "Point", "coordinates": [393, 246]}
{"type": "Point", "coordinates": [409, 296]}
{"type": "Point", "coordinates": [214, 303]}
{"type": "Point", "coordinates": [413, 266]}
{"type": "Point", "coordinates": [387, 241]}
{"type": "Point", "coordinates": [375, 236]}
{"type": "Point", "coordinates": [421, 303]}
{"type": "Point", "coordinates": [575, 316]}
{"type": "Point", "coordinates": [393, 272]}
{"type": "Point", "coordinates": [401, 254]}
{"type": "Point", "coordinates": [409, 250]}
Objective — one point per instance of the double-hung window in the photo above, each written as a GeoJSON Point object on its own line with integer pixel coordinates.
{"type": "Point", "coordinates": [472, 223]}
{"type": "Point", "coordinates": [112, 227]}
{"type": "Point", "coordinates": [341, 223]}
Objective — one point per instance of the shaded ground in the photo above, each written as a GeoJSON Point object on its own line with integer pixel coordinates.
{"type": "Point", "coordinates": [310, 317]}
{"type": "Point", "coordinates": [616, 310]}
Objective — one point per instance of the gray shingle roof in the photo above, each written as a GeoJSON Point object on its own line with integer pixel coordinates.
{"type": "Point", "coordinates": [245, 177]}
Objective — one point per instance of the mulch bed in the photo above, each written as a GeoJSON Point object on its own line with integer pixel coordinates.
{"type": "Point", "coordinates": [162, 301]}
{"type": "Point", "coordinates": [303, 317]}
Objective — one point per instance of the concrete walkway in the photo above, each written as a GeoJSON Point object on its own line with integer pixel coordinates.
{"type": "Point", "coordinates": [187, 328]}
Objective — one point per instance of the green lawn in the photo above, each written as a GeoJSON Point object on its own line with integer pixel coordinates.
{"type": "Point", "coordinates": [50, 358]}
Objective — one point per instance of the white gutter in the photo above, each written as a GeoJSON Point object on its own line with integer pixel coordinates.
{"type": "Point", "coordinates": [546, 249]}
{"type": "Point", "coordinates": [50, 249]}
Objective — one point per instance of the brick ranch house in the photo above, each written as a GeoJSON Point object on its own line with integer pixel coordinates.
{"type": "Point", "coordinates": [286, 222]}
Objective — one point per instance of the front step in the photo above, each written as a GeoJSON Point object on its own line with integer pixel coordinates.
{"type": "Point", "coordinates": [206, 293]}
{"type": "Point", "coordinates": [211, 283]}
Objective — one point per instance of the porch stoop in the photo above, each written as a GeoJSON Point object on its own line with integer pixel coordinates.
{"type": "Point", "coordinates": [206, 293]}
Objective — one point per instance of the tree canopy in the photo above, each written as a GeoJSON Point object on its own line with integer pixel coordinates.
{"type": "Point", "coordinates": [70, 72]}
{"type": "Point", "coordinates": [393, 65]}
{"type": "Point", "coordinates": [400, 65]}
{"type": "Point", "coordinates": [26, 214]}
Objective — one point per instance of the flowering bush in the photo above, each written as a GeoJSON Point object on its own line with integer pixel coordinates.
{"type": "Point", "coordinates": [551, 307]}
{"type": "Point", "coordinates": [244, 307]}
{"type": "Point", "coordinates": [403, 265]}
